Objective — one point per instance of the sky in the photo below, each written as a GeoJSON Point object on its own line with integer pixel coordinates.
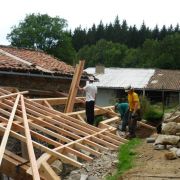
{"type": "Point", "coordinates": [89, 12]}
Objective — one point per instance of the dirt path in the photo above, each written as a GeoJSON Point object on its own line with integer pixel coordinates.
{"type": "Point", "coordinates": [151, 164]}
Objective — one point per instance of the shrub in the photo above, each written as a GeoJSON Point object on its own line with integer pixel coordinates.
{"type": "Point", "coordinates": [144, 103]}
{"type": "Point", "coordinates": [153, 114]}
{"type": "Point", "coordinates": [98, 119]}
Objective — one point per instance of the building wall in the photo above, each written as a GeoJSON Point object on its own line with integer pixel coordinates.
{"type": "Point", "coordinates": [105, 97]}
{"type": "Point", "coordinates": [37, 83]}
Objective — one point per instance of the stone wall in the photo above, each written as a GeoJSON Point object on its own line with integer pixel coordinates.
{"type": "Point", "coordinates": [36, 83]}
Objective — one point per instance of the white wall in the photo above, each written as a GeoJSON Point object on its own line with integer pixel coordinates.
{"type": "Point", "coordinates": [105, 97]}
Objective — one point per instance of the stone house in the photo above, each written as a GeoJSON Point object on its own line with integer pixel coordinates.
{"type": "Point", "coordinates": [32, 70]}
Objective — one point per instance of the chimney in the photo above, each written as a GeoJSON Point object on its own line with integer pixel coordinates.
{"type": "Point", "coordinates": [100, 69]}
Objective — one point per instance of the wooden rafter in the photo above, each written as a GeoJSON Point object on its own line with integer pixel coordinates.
{"type": "Point", "coordinates": [29, 142]}
{"type": "Point", "coordinates": [74, 87]}
{"type": "Point", "coordinates": [65, 135]}
{"type": "Point", "coordinates": [56, 101]}
{"type": "Point", "coordinates": [7, 130]}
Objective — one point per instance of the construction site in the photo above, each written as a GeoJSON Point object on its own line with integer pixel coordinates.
{"type": "Point", "coordinates": [42, 129]}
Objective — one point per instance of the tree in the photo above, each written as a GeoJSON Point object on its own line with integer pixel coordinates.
{"type": "Point", "coordinates": [104, 52]}
{"type": "Point", "coordinates": [79, 38]}
{"type": "Point", "coordinates": [144, 33]}
{"type": "Point", "coordinates": [133, 38]}
{"type": "Point", "coordinates": [117, 30]}
{"type": "Point", "coordinates": [155, 33]}
{"type": "Point", "coordinates": [45, 33]}
{"type": "Point", "coordinates": [169, 52]}
{"type": "Point", "coordinates": [100, 31]}
{"type": "Point", "coordinates": [91, 35]}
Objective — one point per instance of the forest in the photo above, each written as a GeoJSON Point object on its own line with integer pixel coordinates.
{"type": "Point", "coordinates": [113, 45]}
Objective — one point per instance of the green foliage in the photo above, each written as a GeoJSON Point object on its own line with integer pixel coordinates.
{"type": "Point", "coordinates": [126, 158]}
{"type": "Point", "coordinates": [104, 52]}
{"type": "Point", "coordinates": [97, 120]}
{"type": "Point", "coordinates": [113, 45]}
{"type": "Point", "coordinates": [125, 46]}
{"type": "Point", "coordinates": [153, 114]}
{"type": "Point", "coordinates": [45, 33]}
{"type": "Point", "coordinates": [145, 104]}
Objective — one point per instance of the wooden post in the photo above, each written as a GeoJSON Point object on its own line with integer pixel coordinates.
{"type": "Point", "coordinates": [74, 87]}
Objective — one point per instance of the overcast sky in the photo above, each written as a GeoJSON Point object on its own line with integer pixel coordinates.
{"type": "Point", "coordinates": [87, 12]}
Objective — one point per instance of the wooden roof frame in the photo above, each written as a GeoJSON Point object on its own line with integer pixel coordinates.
{"type": "Point", "coordinates": [65, 134]}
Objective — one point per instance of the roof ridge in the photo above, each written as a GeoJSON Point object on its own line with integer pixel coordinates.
{"type": "Point", "coordinates": [23, 48]}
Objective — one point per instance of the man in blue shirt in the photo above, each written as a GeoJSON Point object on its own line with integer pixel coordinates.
{"type": "Point", "coordinates": [123, 109]}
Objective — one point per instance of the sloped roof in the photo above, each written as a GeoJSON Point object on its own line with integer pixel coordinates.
{"type": "Point", "coordinates": [165, 79]}
{"type": "Point", "coordinates": [122, 77]}
{"type": "Point", "coordinates": [26, 60]}
{"type": "Point", "coordinates": [152, 79]}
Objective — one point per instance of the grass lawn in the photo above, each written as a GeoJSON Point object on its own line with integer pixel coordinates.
{"type": "Point", "coordinates": [126, 158]}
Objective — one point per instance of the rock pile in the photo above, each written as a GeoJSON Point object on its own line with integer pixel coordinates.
{"type": "Point", "coordinates": [170, 137]}
{"type": "Point", "coordinates": [96, 170]}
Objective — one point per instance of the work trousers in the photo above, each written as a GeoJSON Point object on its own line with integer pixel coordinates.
{"type": "Point", "coordinates": [125, 118]}
{"type": "Point", "coordinates": [90, 112]}
{"type": "Point", "coordinates": [132, 123]}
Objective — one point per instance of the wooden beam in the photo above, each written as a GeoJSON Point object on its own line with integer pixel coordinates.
{"type": "Point", "coordinates": [111, 120]}
{"type": "Point", "coordinates": [7, 131]}
{"type": "Point", "coordinates": [80, 118]}
{"type": "Point", "coordinates": [36, 135]}
{"type": "Point", "coordinates": [12, 94]}
{"type": "Point", "coordinates": [74, 87]}
{"type": "Point", "coordinates": [110, 112]}
{"type": "Point", "coordinates": [60, 116]}
{"type": "Point", "coordinates": [13, 166]}
{"type": "Point", "coordinates": [56, 101]}
{"type": "Point", "coordinates": [47, 172]}
{"type": "Point", "coordinates": [45, 149]}
{"type": "Point", "coordinates": [29, 143]}
{"type": "Point", "coordinates": [56, 135]}
{"type": "Point", "coordinates": [47, 104]}
{"type": "Point", "coordinates": [82, 112]}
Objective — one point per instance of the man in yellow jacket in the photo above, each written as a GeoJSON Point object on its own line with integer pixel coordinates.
{"type": "Point", "coordinates": [134, 108]}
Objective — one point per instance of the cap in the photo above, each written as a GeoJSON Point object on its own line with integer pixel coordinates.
{"type": "Point", "coordinates": [91, 78]}
{"type": "Point", "coordinates": [127, 88]}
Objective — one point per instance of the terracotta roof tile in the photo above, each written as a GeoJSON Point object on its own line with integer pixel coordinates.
{"type": "Point", "coordinates": [37, 58]}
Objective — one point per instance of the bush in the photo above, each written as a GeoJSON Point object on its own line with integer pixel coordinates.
{"type": "Point", "coordinates": [97, 120]}
{"type": "Point", "coordinates": [153, 114]}
{"type": "Point", "coordinates": [145, 104]}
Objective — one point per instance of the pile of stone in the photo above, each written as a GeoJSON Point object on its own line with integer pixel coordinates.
{"type": "Point", "coordinates": [170, 137]}
{"type": "Point", "coordinates": [96, 170]}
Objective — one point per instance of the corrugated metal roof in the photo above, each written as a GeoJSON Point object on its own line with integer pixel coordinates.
{"type": "Point", "coordinates": [165, 79]}
{"type": "Point", "coordinates": [122, 77]}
